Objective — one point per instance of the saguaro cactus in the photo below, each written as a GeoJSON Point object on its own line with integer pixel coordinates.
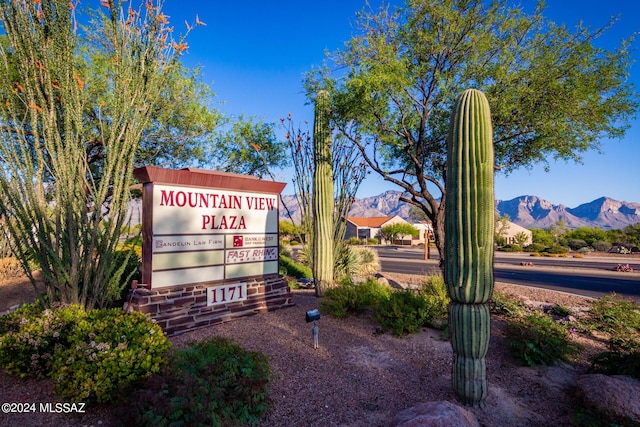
{"type": "Point", "coordinates": [322, 201]}
{"type": "Point", "coordinates": [469, 231]}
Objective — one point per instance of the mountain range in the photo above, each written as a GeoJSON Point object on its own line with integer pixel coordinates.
{"type": "Point", "coordinates": [526, 211]}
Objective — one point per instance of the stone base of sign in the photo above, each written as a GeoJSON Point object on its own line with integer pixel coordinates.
{"type": "Point", "coordinates": [179, 309]}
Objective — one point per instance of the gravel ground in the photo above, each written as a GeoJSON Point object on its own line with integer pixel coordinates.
{"type": "Point", "coordinates": [358, 377]}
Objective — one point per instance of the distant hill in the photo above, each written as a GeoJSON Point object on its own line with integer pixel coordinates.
{"type": "Point", "coordinates": [526, 211]}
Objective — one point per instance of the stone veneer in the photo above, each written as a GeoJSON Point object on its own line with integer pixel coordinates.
{"type": "Point", "coordinates": [179, 309]}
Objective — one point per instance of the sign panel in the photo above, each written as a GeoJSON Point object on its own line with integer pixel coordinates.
{"type": "Point", "coordinates": [206, 234]}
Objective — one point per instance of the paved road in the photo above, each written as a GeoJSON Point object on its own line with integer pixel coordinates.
{"type": "Point", "coordinates": [593, 281]}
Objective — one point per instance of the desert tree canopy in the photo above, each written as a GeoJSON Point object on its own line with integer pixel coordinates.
{"type": "Point", "coordinates": [553, 93]}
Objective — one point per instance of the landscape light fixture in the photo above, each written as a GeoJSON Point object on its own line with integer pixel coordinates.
{"type": "Point", "coordinates": [313, 316]}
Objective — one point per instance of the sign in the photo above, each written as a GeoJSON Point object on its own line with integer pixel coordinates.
{"type": "Point", "coordinates": [201, 233]}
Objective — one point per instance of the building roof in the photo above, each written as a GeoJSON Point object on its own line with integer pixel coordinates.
{"type": "Point", "coordinates": [372, 222]}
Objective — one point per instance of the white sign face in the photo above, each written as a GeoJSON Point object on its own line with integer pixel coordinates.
{"type": "Point", "coordinates": [226, 294]}
{"type": "Point", "coordinates": [205, 234]}
{"type": "Point", "coordinates": [189, 210]}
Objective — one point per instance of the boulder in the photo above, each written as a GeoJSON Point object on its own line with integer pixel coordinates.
{"type": "Point", "coordinates": [436, 414]}
{"type": "Point", "coordinates": [615, 396]}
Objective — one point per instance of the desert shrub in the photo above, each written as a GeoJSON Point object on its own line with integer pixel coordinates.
{"type": "Point", "coordinates": [368, 263]}
{"type": "Point", "coordinates": [602, 246]}
{"type": "Point", "coordinates": [109, 351]}
{"type": "Point", "coordinates": [353, 241]}
{"type": "Point", "coordinates": [372, 241]}
{"type": "Point", "coordinates": [32, 337]}
{"type": "Point", "coordinates": [349, 297]}
{"type": "Point", "coordinates": [575, 244]}
{"type": "Point", "coordinates": [537, 339]}
{"type": "Point", "coordinates": [622, 357]}
{"type": "Point", "coordinates": [130, 258]}
{"type": "Point", "coordinates": [404, 312]}
{"type": "Point", "coordinates": [289, 267]}
{"type": "Point", "coordinates": [620, 318]}
{"type": "Point", "coordinates": [284, 249]}
{"type": "Point", "coordinates": [210, 383]}
{"type": "Point", "coordinates": [584, 250]}
{"type": "Point", "coordinates": [10, 267]}
{"type": "Point", "coordinates": [511, 248]}
{"type": "Point", "coordinates": [434, 291]}
{"type": "Point", "coordinates": [557, 309]}
{"type": "Point", "coordinates": [535, 247]}
{"type": "Point", "coordinates": [346, 262]}
{"type": "Point", "coordinates": [612, 313]}
{"type": "Point", "coordinates": [506, 305]}
{"type": "Point", "coordinates": [556, 250]}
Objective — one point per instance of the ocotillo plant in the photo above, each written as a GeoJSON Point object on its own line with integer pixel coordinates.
{"type": "Point", "coordinates": [469, 232]}
{"type": "Point", "coordinates": [322, 201]}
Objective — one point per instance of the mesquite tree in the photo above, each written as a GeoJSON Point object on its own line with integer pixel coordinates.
{"type": "Point", "coordinates": [555, 93]}
{"type": "Point", "coordinates": [64, 213]}
{"type": "Point", "coordinates": [322, 201]}
{"type": "Point", "coordinates": [469, 234]}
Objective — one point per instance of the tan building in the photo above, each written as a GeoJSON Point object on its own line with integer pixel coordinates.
{"type": "Point", "coordinates": [368, 228]}
{"type": "Point", "coordinates": [513, 230]}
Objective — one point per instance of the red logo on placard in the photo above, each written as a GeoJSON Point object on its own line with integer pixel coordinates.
{"type": "Point", "coordinates": [237, 241]}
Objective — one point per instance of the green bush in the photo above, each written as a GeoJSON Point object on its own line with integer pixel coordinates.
{"type": "Point", "coordinates": [349, 297]}
{"type": "Point", "coordinates": [537, 339]}
{"type": "Point", "coordinates": [404, 312]}
{"type": "Point", "coordinates": [346, 262]}
{"type": "Point", "coordinates": [434, 291]}
{"type": "Point", "coordinates": [511, 248]}
{"type": "Point", "coordinates": [109, 350]}
{"type": "Point", "coordinates": [535, 247]}
{"type": "Point", "coordinates": [506, 305]}
{"type": "Point", "coordinates": [210, 383]}
{"type": "Point", "coordinates": [89, 355]}
{"type": "Point", "coordinates": [612, 313]}
{"type": "Point", "coordinates": [620, 318]}
{"type": "Point", "coordinates": [289, 267]}
{"type": "Point", "coordinates": [557, 250]}
{"type": "Point", "coordinates": [33, 337]}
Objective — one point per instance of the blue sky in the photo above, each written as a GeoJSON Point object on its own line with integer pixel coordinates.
{"type": "Point", "coordinates": [253, 55]}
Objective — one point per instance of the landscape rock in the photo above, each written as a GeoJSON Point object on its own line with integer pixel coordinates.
{"type": "Point", "coordinates": [615, 395]}
{"type": "Point", "coordinates": [436, 414]}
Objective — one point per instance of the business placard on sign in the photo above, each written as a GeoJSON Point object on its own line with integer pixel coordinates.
{"type": "Point", "coordinates": [204, 234]}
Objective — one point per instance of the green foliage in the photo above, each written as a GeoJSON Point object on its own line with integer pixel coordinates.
{"type": "Point", "coordinates": [32, 337]}
{"type": "Point", "coordinates": [288, 228]}
{"type": "Point", "coordinates": [404, 312]}
{"type": "Point", "coordinates": [248, 147]}
{"type": "Point", "coordinates": [91, 356]}
{"type": "Point", "coordinates": [73, 128]}
{"type": "Point", "coordinates": [209, 383]}
{"type": "Point", "coordinates": [396, 79]}
{"type": "Point", "coordinates": [352, 298]}
{"type": "Point", "coordinates": [434, 291]}
{"type": "Point", "coordinates": [556, 250]}
{"type": "Point", "coordinates": [398, 230]}
{"type": "Point", "coordinates": [289, 267]}
{"type": "Point", "coordinates": [622, 357]}
{"type": "Point", "coordinates": [346, 262]}
{"type": "Point", "coordinates": [612, 313]}
{"type": "Point", "coordinates": [542, 237]}
{"type": "Point", "coordinates": [535, 247]}
{"type": "Point", "coordinates": [511, 248]}
{"type": "Point", "coordinates": [620, 318]}
{"type": "Point", "coordinates": [506, 305]}
{"type": "Point", "coordinates": [537, 339]}
{"type": "Point", "coordinates": [368, 263]}
{"type": "Point", "coordinates": [108, 352]}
